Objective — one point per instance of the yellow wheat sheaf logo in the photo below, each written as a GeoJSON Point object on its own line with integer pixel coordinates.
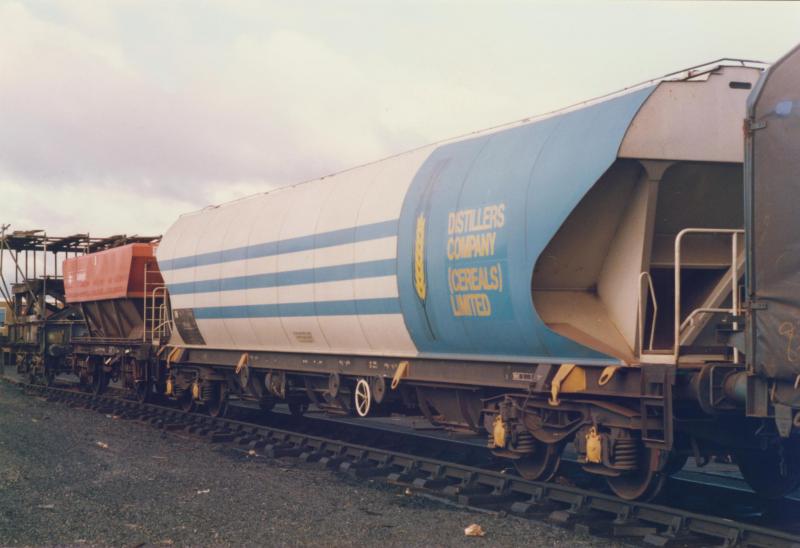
{"type": "Point", "coordinates": [419, 259]}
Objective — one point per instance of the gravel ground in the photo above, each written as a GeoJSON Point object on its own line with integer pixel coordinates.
{"type": "Point", "coordinates": [72, 476]}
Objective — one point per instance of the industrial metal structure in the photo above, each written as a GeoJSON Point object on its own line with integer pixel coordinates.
{"type": "Point", "coordinates": [39, 323]}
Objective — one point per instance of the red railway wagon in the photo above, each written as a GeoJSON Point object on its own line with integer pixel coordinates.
{"type": "Point", "coordinates": [121, 294]}
{"type": "Point", "coordinates": [116, 273]}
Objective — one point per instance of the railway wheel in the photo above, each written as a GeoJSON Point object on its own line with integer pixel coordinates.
{"type": "Point", "coordinates": [773, 472]}
{"type": "Point", "coordinates": [49, 375]}
{"type": "Point", "coordinates": [144, 391]}
{"type": "Point", "coordinates": [266, 404]}
{"type": "Point", "coordinates": [186, 402]}
{"type": "Point", "coordinates": [218, 404]}
{"type": "Point", "coordinates": [642, 484]}
{"type": "Point", "coordinates": [99, 380]}
{"type": "Point", "coordinates": [298, 408]}
{"type": "Point", "coordinates": [84, 382]}
{"type": "Point", "coordinates": [675, 464]}
{"type": "Point", "coordinates": [362, 398]}
{"type": "Point", "coordinates": [542, 464]}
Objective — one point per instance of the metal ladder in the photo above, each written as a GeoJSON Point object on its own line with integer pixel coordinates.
{"type": "Point", "coordinates": [656, 405]}
{"type": "Point", "coordinates": [157, 319]}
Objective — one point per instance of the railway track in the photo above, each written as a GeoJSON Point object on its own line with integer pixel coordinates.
{"type": "Point", "coordinates": [419, 437]}
{"type": "Point", "coordinates": [482, 487]}
{"type": "Point", "coordinates": [690, 490]}
{"type": "Point", "coordinates": [432, 439]}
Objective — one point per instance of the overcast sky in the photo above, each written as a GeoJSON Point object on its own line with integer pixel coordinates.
{"type": "Point", "coordinates": [118, 116]}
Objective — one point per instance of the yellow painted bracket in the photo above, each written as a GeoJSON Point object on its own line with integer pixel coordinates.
{"type": "Point", "coordinates": [555, 385]}
{"type": "Point", "coordinates": [594, 446]}
{"type": "Point", "coordinates": [175, 355]}
{"type": "Point", "coordinates": [499, 431]}
{"type": "Point", "coordinates": [400, 372]}
{"type": "Point", "coordinates": [607, 374]}
{"type": "Point", "coordinates": [575, 381]}
{"type": "Point", "coordinates": [243, 362]}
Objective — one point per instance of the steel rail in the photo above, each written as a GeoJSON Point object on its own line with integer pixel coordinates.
{"type": "Point", "coordinates": [468, 486]}
{"type": "Point", "coordinates": [465, 485]}
{"type": "Point", "coordinates": [435, 440]}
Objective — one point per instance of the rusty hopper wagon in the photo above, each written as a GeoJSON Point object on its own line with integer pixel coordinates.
{"type": "Point", "coordinates": [109, 287]}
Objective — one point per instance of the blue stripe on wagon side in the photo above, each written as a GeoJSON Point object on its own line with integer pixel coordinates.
{"type": "Point", "coordinates": [303, 243]}
{"type": "Point", "coordinates": [324, 308]}
{"type": "Point", "coordinates": [367, 269]}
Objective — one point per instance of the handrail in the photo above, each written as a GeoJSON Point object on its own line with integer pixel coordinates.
{"type": "Point", "coordinates": [697, 311]}
{"type": "Point", "coordinates": [157, 322]}
{"type": "Point", "coordinates": [164, 325]}
{"type": "Point", "coordinates": [145, 309]}
{"type": "Point", "coordinates": [734, 310]}
{"type": "Point", "coordinates": [649, 278]}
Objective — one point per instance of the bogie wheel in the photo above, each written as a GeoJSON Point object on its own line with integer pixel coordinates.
{"type": "Point", "coordinates": [99, 380]}
{"type": "Point", "coordinates": [144, 391]}
{"type": "Point", "coordinates": [186, 402]}
{"type": "Point", "coordinates": [298, 408]}
{"type": "Point", "coordinates": [362, 398]}
{"type": "Point", "coordinates": [219, 402]}
{"type": "Point", "coordinates": [49, 376]}
{"type": "Point", "coordinates": [542, 464]}
{"type": "Point", "coordinates": [643, 484]}
{"type": "Point", "coordinates": [675, 464]}
{"type": "Point", "coordinates": [266, 404]}
{"type": "Point", "coordinates": [85, 381]}
{"type": "Point", "coordinates": [773, 472]}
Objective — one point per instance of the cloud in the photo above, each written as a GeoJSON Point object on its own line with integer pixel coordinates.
{"type": "Point", "coordinates": [276, 110]}
{"type": "Point", "coordinates": [165, 107]}
{"type": "Point", "coordinates": [90, 140]}
{"type": "Point", "coordinates": [71, 208]}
